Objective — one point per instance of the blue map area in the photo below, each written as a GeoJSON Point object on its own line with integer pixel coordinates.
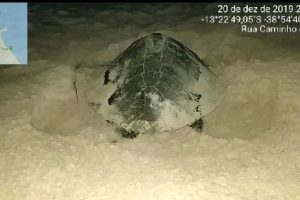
{"type": "Point", "coordinates": [14, 17]}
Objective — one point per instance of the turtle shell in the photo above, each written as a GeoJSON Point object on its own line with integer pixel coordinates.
{"type": "Point", "coordinates": [157, 84]}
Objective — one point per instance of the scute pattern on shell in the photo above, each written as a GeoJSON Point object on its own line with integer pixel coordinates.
{"type": "Point", "coordinates": [153, 70]}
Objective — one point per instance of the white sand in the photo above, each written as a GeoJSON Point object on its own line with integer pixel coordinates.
{"type": "Point", "coordinates": [51, 148]}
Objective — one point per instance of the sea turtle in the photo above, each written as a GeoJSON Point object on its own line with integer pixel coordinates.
{"type": "Point", "coordinates": [157, 84]}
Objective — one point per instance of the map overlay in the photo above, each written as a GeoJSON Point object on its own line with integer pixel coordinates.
{"type": "Point", "coordinates": [13, 33]}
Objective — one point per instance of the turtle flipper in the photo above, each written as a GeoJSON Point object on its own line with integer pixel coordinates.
{"type": "Point", "coordinates": [123, 132]}
{"type": "Point", "coordinates": [197, 125]}
{"type": "Point", "coordinates": [128, 133]}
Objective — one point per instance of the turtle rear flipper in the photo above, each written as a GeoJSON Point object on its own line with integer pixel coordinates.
{"type": "Point", "coordinates": [128, 133]}
{"type": "Point", "coordinates": [197, 125]}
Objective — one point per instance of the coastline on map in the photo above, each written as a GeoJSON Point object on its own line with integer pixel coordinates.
{"type": "Point", "coordinates": [6, 56]}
